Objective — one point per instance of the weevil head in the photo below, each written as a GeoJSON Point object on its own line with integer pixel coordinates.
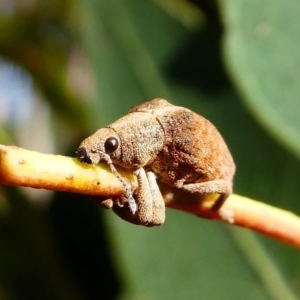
{"type": "Point", "coordinates": [103, 142]}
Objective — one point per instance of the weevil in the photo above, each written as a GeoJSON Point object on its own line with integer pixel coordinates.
{"type": "Point", "coordinates": [159, 141]}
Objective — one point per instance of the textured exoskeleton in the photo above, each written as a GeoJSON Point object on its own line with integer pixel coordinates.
{"type": "Point", "coordinates": [160, 141]}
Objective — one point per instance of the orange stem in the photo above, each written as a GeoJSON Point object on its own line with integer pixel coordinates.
{"type": "Point", "coordinates": [20, 167]}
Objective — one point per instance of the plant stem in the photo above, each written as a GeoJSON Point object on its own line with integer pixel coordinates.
{"type": "Point", "coordinates": [20, 167]}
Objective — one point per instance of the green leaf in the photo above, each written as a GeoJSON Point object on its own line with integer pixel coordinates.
{"type": "Point", "coordinates": [261, 50]}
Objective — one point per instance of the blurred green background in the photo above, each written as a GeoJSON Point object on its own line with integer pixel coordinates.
{"type": "Point", "coordinates": [68, 67]}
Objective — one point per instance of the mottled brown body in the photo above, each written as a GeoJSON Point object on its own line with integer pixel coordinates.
{"type": "Point", "coordinates": [182, 149]}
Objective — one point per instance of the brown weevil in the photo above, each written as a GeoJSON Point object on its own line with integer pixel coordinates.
{"type": "Point", "coordinates": [160, 141]}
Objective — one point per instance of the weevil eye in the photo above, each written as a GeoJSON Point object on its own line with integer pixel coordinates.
{"type": "Point", "coordinates": [111, 145]}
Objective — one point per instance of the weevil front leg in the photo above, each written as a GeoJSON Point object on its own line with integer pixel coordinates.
{"type": "Point", "coordinates": [158, 203]}
{"type": "Point", "coordinates": [150, 203]}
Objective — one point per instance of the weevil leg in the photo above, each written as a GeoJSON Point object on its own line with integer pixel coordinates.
{"type": "Point", "coordinates": [151, 206]}
{"type": "Point", "coordinates": [218, 186]}
{"type": "Point", "coordinates": [143, 198]}
{"type": "Point", "coordinates": [158, 203]}
{"type": "Point", "coordinates": [149, 201]}
{"type": "Point", "coordinates": [213, 187]}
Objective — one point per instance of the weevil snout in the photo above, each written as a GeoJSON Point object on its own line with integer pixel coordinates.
{"type": "Point", "coordinates": [83, 156]}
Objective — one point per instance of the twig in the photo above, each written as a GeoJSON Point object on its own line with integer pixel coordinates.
{"type": "Point", "coordinates": [20, 167]}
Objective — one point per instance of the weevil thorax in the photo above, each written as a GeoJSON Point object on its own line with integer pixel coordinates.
{"type": "Point", "coordinates": [131, 142]}
{"type": "Point", "coordinates": [142, 138]}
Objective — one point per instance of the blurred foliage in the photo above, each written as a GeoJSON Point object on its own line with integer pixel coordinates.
{"type": "Point", "coordinates": [134, 51]}
{"type": "Point", "coordinates": [263, 57]}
